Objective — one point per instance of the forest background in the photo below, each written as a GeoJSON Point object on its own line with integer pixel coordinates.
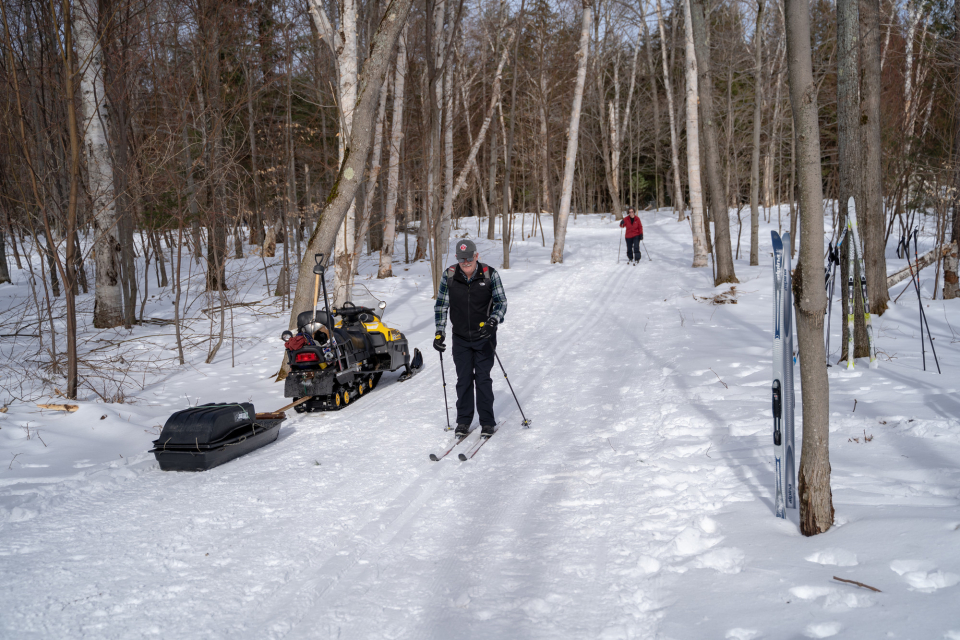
{"type": "Point", "coordinates": [139, 135]}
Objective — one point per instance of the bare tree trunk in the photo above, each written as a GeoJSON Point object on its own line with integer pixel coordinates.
{"type": "Point", "coordinates": [355, 154]}
{"type": "Point", "coordinates": [256, 220]}
{"type": "Point", "coordinates": [671, 113]}
{"type": "Point", "coordinates": [448, 195]}
{"type": "Point", "coordinates": [693, 144]}
{"type": "Point", "coordinates": [343, 45]}
{"type": "Point", "coordinates": [506, 228]}
{"type": "Point", "coordinates": [774, 129]}
{"type": "Point", "coordinates": [655, 98]}
{"type": "Point", "coordinates": [848, 148]}
{"type": "Point", "coordinates": [951, 280]}
{"type": "Point", "coordinates": [475, 147]}
{"type": "Point", "coordinates": [816, 501]}
{"type": "Point", "coordinates": [871, 217]}
{"type": "Point", "coordinates": [718, 200]}
{"type": "Point", "coordinates": [492, 187]}
{"type": "Point", "coordinates": [4, 271]}
{"type": "Point", "coordinates": [372, 176]}
{"type": "Point", "coordinates": [757, 123]}
{"type": "Point", "coordinates": [566, 192]}
{"type": "Point", "coordinates": [108, 303]}
{"type": "Point", "coordinates": [393, 166]}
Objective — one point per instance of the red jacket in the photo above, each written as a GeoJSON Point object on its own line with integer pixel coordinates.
{"type": "Point", "coordinates": [634, 227]}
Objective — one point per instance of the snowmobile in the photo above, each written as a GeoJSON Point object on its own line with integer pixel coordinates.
{"type": "Point", "coordinates": [339, 355]}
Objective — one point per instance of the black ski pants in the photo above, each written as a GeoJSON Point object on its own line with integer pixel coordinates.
{"type": "Point", "coordinates": [633, 248]}
{"type": "Point", "coordinates": [473, 361]}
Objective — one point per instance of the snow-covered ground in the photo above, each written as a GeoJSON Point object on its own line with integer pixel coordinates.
{"type": "Point", "coordinates": [637, 506]}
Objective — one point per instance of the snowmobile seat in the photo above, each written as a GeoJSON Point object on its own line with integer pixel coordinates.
{"type": "Point", "coordinates": [306, 318]}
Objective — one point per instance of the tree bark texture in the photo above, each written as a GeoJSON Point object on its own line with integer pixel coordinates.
{"type": "Point", "coordinates": [108, 300]}
{"type": "Point", "coordinates": [718, 201]}
{"type": "Point", "coordinates": [693, 144]}
{"type": "Point", "coordinates": [672, 116]}
{"type": "Point", "coordinates": [810, 300]}
{"type": "Point", "coordinates": [849, 157]}
{"type": "Point", "coordinates": [573, 136]}
{"type": "Point", "coordinates": [755, 152]}
{"type": "Point", "coordinates": [870, 215]}
{"type": "Point", "coordinates": [393, 164]}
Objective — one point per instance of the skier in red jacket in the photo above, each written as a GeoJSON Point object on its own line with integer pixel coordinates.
{"type": "Point", "coordinates": [634, 235]}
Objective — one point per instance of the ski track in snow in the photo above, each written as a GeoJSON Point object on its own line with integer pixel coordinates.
{"type": "Point", "coordinates": [639, 504]}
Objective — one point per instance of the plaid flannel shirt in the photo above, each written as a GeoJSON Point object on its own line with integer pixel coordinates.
{"type": "Point", "coordinates": [442, 306]}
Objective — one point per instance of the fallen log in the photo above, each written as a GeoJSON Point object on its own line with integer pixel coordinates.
{"type": "Point", "coordinates": [923, 261]}
{"type": "Point", "coordinates": [70, 408]}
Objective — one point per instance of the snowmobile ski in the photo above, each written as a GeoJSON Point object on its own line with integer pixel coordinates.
{"type": "Point", "coordinates": [415, 366]}
{"type": "Point", "coordinates": [437, 458]}
{"type": "Point", "coordinates": [779, 361]}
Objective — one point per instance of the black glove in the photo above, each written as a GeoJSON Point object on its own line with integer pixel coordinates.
{"type": "Point", "coordinates": [488, 328]}
{"type": "Point", "coordinates": [641, 237]}
{"type": "Point", "coordinates": [438, 343]}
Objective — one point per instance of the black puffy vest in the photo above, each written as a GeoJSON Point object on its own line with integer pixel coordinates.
{"type": "Point", "coordinates": [470, 302]}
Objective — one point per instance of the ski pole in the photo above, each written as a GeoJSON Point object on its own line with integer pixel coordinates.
{"type": "Point", "coordinates": [645, 250]}
{"type": "Point", "coordinates": [619, 246]}
{"type": "Point", "coordinates": [446, 405]}
{"type": "Point", "coordinates": [923, 314]}
{"type": "Point", "coordinates": [525, 423]}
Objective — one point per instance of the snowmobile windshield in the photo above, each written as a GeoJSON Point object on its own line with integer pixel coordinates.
{"type": "Point", "coordinates": [363, 298]}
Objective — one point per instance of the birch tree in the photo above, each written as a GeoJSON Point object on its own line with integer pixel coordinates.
{"type": "Point", "coordinates": [573, 134]}
{"type": "Point", "coordinates": [372, 175]}
{"type": "Point", "coordinates": [393, 166]}
{"type": "Point", "coordinates": [355, 153]}
{"type": "Point", "coordinates": [693, 144]}
{"type": "Point", "coordinates": [718, 200]}
{"type": "Point", "coordinates": [343, 45]}
{"type": "Point", "coordinates": [816, 500]}
{"type": "Point", "coordinates": [672, 116]}
{"type": "Point", "coordinates": [755, 153]}
{"type": "Point", "coordinates": [108, 302]}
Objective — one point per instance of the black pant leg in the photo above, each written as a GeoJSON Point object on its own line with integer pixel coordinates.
{"type": "Point", "coordinates": [463, 360]}
{"type": "Point", "coordinates": [483, 364]}
{"type": "Point", "coordinates": [633, 248]}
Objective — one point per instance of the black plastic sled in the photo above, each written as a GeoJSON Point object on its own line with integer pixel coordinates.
{"type": "Point", "coordinates": [200, 438]}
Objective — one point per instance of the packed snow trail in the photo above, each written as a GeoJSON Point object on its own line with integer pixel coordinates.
{"type": "Point", "coordinates": [639, 504]}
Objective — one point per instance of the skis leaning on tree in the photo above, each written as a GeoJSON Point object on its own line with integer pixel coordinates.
{"type": "Point", "coordinates": [782, 390]}
{"type": "Point", "coordinates": [855, 256]}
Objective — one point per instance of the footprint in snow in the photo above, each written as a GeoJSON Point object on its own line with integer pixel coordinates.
{"type": "Point", "coordinates": [922, 576]}
{"type": "Point", "coordinates": [837, 557]}
{"type": "Point", "coordinates": [729, 560]}
{"type": "Point", "coordinates": [822, 629]}
{"type": "Point", "coordinates": [834, 600]}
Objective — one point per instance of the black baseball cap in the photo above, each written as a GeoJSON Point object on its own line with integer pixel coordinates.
{"type": "Point", "coordinates": [466, 250]}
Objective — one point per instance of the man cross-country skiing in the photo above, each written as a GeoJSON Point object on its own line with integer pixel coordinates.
{"type": "Point", "coordinates": [473, 295]}
{"type": "Point", "coordinates": [634, 235]}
